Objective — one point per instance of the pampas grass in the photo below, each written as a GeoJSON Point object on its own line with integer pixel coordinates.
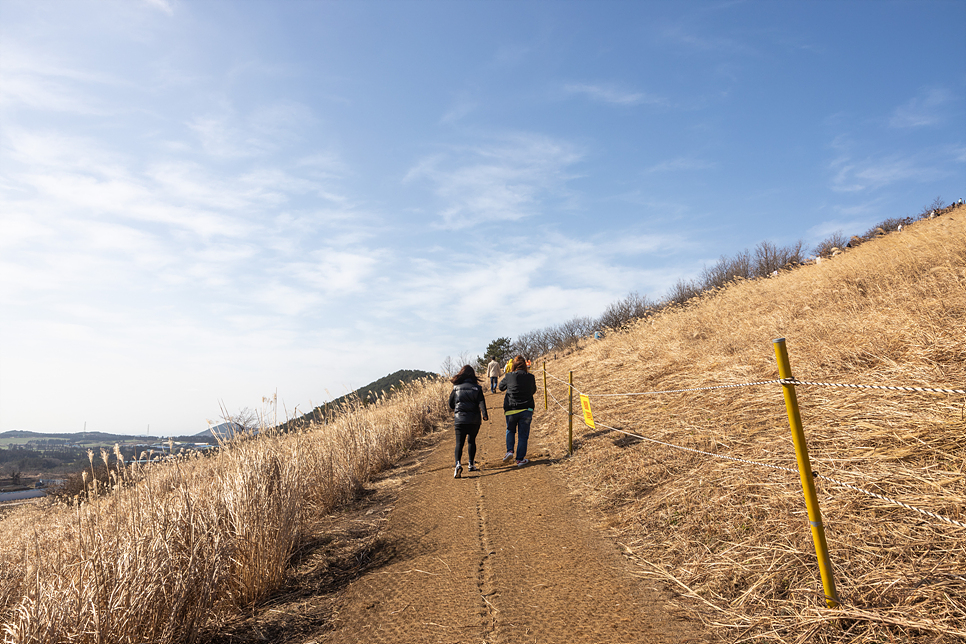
{"type": "Point", "coordinates": [183, 545]}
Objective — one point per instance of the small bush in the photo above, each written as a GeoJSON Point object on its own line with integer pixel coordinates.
{"type": "Point", "coordinates": [833, 241]}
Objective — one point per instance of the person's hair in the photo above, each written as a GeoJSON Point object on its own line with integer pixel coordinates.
{"type": "Point", "coordinates": [466, 374]}
{"type": "Point", "coordinates": [519, 363]}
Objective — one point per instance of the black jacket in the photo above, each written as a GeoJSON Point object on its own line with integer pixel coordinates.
{"type": "Point", "coordinates": [519, 387]}
{"type": "Point", "coordinates": [468, 402]}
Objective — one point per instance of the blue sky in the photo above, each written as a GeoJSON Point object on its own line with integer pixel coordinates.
{"type": "Point", "coordinates": [211, 202]}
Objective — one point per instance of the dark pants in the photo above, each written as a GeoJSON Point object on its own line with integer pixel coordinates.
{"type": "Point", "coordinates": [492, 384]}
{"type": "Point", "coordinates": [464, 432]}
{"type": "Point", "coordinates": [518, 424]}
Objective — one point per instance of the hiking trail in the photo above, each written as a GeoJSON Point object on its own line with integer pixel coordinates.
{"type": "Point", "coordinates": [499, 556]}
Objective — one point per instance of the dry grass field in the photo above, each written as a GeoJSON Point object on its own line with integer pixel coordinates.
{"type": "Point", "coordinates": [180, 546]}
{"type": "Point", "coordinates": [734, 538]}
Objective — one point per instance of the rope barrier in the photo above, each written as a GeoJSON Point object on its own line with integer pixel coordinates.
{"type": "Point", "coordinates": [565, 383]}
{"type": "Point", "coordinates": [783, 469]}
{"type": "Point", "coordinates": [784, 381]}
{"type": "Point", "coordinates": [788, 381]}
{"type": "Point", "coordinates": [885, 498]}
{"type": "Point", "coordinates": [698, 451]}
{"type": "Point", "coordinates": [678, 391]}
{"type": "Point", "coordinates": [793, 471]}
{"type": "Point", "coordinates": [795, 381]}
{"type": "Point", "coordinates": [559, 404]}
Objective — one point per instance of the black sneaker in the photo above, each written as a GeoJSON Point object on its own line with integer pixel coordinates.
{"type": "Point", "coordinates": [458, 471]}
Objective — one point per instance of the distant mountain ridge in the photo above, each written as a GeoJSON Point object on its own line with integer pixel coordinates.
{"type": "Point", "coordinates": [77, 437]}
{"type": "Point", "coordinates": [376, 388]}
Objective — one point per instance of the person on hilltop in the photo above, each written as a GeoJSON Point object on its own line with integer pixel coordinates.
{"type": "Point", "coordinates": [520, 386]}
{"type": "Point", "coordinates": [469, 404]}
{"type": "Point", "coordinates": [493, 372]}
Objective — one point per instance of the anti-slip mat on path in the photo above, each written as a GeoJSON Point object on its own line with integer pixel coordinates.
{"type": "Point", "coordinates": [499, 556]}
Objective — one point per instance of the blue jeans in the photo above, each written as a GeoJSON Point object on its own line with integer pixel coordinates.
{"type": "Point", "coordinates": [492, 384]}
{"type": "Point", "coordinates": [518, 423]}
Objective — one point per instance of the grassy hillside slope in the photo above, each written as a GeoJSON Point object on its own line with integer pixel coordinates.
{"type": "Point", "coordinates": [733, 537]}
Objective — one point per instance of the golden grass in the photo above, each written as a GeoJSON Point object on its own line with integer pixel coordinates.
{"type": "Point", "coordinates": [181, 546]}
{"type": "Point", "coordinates": [734, 538]}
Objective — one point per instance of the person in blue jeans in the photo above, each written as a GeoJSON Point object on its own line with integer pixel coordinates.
{"type": "Point", "coordinates": [520, 386]}
{"type": "Point", "coordinates": [493, 370]}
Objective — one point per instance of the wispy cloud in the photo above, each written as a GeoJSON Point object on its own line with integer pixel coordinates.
{"type": "Point", "coordinates": [461, 109]}
{"type": "Point", "coordinates": [851, 175]}
{"type": "Point", "coordinates": [164, 5]}
{"type": "Point", "coordinates": [506, 180]}
{"type": "Point", "coordinates": [266, 129]}
{"type": "Point", "coordinates": [41, 81]}
{"type": "Point", "coordinates": [79, 214]}
{"type": "Point", "coordinates": [706, 38]}
{"type": "Point", "coordinates": [680, 164]}
{"type": "Point", "coordinates": [925, 109]}
{"type": "Point", "coordinates": [612, 94]}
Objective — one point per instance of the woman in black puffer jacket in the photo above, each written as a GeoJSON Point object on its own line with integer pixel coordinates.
{"type": "Point", "coordinates": [519, 385]}
{"type": "Point", "coordinates": [468, 402]}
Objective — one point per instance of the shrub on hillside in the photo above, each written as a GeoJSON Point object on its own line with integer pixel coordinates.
{"type": "Point", "coordinates": [621, 313]}
{"type": "Point", "coordinates": [681, 292]}
{"type": "Point", "coordinates": [770, 257]}
{"type": "Point", "coordinates": [726, 269]}
{"type": "Point", "coordinates": [937, 204]}
{"type": "Point", "coordinates": [830, 243]}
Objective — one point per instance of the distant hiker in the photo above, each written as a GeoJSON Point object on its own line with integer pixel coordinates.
{"type": "Point", "coordinates": [509, 366]}
{"type": "Point", "coordinates": [468, 401]}
{"type": "Point", "coordinates": [493, 371]}
{"type": "Point", "coordinates": [519, 385]}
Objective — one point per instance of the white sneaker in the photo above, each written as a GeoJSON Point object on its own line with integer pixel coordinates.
{"type": "Point", "coordinates": [458, 471]}
{"type": "Point", "coordinates": [509, 455]}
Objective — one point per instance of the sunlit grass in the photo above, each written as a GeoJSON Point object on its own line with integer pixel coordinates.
{"type": "Point", "coordinates": [184, 544]}
{"type": "Point", "coordinates": [735, 538]}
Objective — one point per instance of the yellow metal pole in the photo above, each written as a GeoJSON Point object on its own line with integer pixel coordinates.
{"type": "Point", "coordinates": [546, 402]}
{"type": "Point", "coordinates": [570, 417]}
{"type": "Point", "coordinates": [805, 472]}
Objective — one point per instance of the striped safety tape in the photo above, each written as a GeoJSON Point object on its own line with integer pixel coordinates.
{"type": "Point", "coordinates": [788, 469]}
{"type": "Point", "coordinates": [893, 501]}
{"type": "Point", "coordinates": [793, 381]}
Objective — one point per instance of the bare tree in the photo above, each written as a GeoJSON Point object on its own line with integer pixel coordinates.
{"type": "Point", "coordinates": [770, 257]}
{"type": "Point", "coordinates": [527, 345]}
{"type": "Point", "coordinates": [622, 312]}
{"type": "Point", "coordinates": [835, 240]}
{"type": "Point", "coordinates": [937, 204]}
{"type": "Point", "coordinates": [727, 269]}
{"type": "Point", "coordinates": [448, 368]}
{"type": "Point", "coordinates": [682, 291]}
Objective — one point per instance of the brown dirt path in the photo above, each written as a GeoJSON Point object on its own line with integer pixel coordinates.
{"type": "Point", "coordinates": [498, 557]}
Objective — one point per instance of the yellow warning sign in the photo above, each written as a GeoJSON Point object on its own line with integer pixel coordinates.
{"type": "Point", "coordinates": [588, 415]}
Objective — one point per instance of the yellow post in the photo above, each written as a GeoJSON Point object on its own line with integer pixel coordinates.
{"type": "Point", "coordinates": [570, 417]}
{"type": "Point", "coordinates": [546, 401]}
{"type": "Point", "coordinates": [805, 472]}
